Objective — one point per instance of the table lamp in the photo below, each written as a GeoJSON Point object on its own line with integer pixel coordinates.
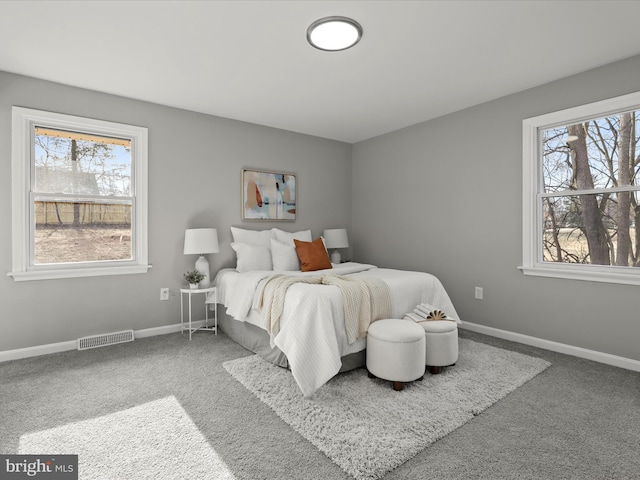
{"type": "Point", "coordinates": [201, 241]}
{"type": "Point", "coordinates": [336, 238]}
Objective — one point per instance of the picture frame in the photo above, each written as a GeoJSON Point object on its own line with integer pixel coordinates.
{"type": "Point", "coordinates": [270, 196]}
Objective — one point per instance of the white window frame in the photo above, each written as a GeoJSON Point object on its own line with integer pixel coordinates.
{"type": "Point", "coordinates": [23, 267]}
{"type": "Point", "coordinates": [532, 188]}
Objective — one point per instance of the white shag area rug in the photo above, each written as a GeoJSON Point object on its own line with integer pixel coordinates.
{"type": "Point", "coordinates": [366, 427]}
{"type": "Point", "coordinates": [150, 441]}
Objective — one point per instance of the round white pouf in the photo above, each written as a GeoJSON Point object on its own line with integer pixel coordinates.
{"type": "Point", "coordinates": [396, 351]}
{"type": "Point", "coordinates": [441, 344]}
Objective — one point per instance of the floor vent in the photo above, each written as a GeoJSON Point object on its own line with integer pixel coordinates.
{"type": "Point", "coordinates": [105, 339]}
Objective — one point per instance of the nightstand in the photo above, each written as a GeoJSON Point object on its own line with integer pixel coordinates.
{"type": "Point", "coordinates": [210, 299]}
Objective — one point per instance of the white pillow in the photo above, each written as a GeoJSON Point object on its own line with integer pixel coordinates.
{"type": "Point", "coordinates": [287, 237]}
{"type": "Point", "coordinates": [252, 257]}
{"type": "Point", "coordinates": [251, 237]}
{"type": "Point", "coordinates": [284, 257]}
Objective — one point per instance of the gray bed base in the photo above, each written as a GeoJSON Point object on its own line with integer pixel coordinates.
{"type": "Point", "coordinates": [256, 340]}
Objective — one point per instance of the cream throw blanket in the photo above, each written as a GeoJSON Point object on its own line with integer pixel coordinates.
{"type": "Point", "coordinates": [364, 300]}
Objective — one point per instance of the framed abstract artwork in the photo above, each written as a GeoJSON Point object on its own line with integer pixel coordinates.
{"type": "Point", "coordinates": [268, 195]}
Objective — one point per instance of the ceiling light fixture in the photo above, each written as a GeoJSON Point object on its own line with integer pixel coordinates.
{"type": "Point", "coordinates": [334, 33]}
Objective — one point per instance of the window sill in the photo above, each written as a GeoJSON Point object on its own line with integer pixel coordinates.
{"type": "Point", "coordinates": [594, 274]}
{"type": "Point", "coordinates": [77, 273]}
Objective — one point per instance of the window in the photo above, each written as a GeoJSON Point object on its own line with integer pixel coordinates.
{"type": "Point", "coordinates": [79, 192]}
{"type": "Point", "coordinates": [582, 191]}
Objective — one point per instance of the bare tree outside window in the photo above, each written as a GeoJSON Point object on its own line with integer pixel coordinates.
{"type": "Point", "coordinates": [81, 197]}
{"type": "Point", "coordinates": [589, 195]}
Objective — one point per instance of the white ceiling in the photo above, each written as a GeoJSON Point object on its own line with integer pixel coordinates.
{"type": "Point", "coordinates": [249, 60]}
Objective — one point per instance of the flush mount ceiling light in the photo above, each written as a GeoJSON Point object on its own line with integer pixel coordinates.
{"type": "Point", "coordinates": [334, 33]}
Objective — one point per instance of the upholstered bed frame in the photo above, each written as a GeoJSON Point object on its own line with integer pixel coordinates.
{"type": "Point", "coordinates": [256, 340]}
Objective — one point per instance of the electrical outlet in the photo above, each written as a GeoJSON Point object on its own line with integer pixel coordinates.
{"type": "Point", "coordinates": [164, 294]}
{"type": "Point", "coordinates": [479, 293]}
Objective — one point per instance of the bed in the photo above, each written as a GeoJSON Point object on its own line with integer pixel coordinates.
{"type": "Point", "coordinates": [315, 336]}
{"type": "Point", "coordinates": [311, 340]}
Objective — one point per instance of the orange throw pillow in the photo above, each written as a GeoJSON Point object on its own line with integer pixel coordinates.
{"type": "Point", "coordinates": [312, 255]}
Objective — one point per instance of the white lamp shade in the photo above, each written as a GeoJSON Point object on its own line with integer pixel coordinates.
{"type": "Point", "coordinates": [199, 241]}
{"type": "Point", "coordinates": [336, 238]}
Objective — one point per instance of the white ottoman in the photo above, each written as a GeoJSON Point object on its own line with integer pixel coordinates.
{"type": "Point", "coordinates": [441, 344]}
{"type": "Point", "coordinates": [396, 351]}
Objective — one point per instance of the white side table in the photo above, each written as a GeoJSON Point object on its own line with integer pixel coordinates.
{"type": "Point", "coordinates": [210, 298]}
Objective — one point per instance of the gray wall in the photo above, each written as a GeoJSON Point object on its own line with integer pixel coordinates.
{"type": "Point", "coordinates": [195, 164]}
{"type": "Point", "coordinates": [445, 197]}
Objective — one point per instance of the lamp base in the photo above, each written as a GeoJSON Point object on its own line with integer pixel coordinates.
{"type": "Point", "coordinates": [202, 266]}
{"type": "Point", "coordinates": [335, 257]}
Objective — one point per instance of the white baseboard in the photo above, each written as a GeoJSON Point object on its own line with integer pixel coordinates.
{"type": "Point", "coordinates": [152, 332]}
{"type": "Point", "coordinates": [73, 344]}
{"type": "Point", "coordinates": [600, 357]}
{"type": "Point", "coordinates": [38, 350]}
{"type": "Point", "coordinates": [605, 358]}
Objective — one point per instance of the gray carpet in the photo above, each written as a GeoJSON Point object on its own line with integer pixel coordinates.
{"type": "Point", "coordinates": [135, 443]}
{"type": "Point", "coordinates": [578, 420]}
{"type": "Point", "coordinates": [366, 427]}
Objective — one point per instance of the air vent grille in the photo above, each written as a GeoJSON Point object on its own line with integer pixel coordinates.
{"type": "Point", "coordinates": [105, 339]}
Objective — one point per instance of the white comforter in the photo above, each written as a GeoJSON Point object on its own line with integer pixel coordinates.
{"type": "Point", "coordinates": [312, 333]}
